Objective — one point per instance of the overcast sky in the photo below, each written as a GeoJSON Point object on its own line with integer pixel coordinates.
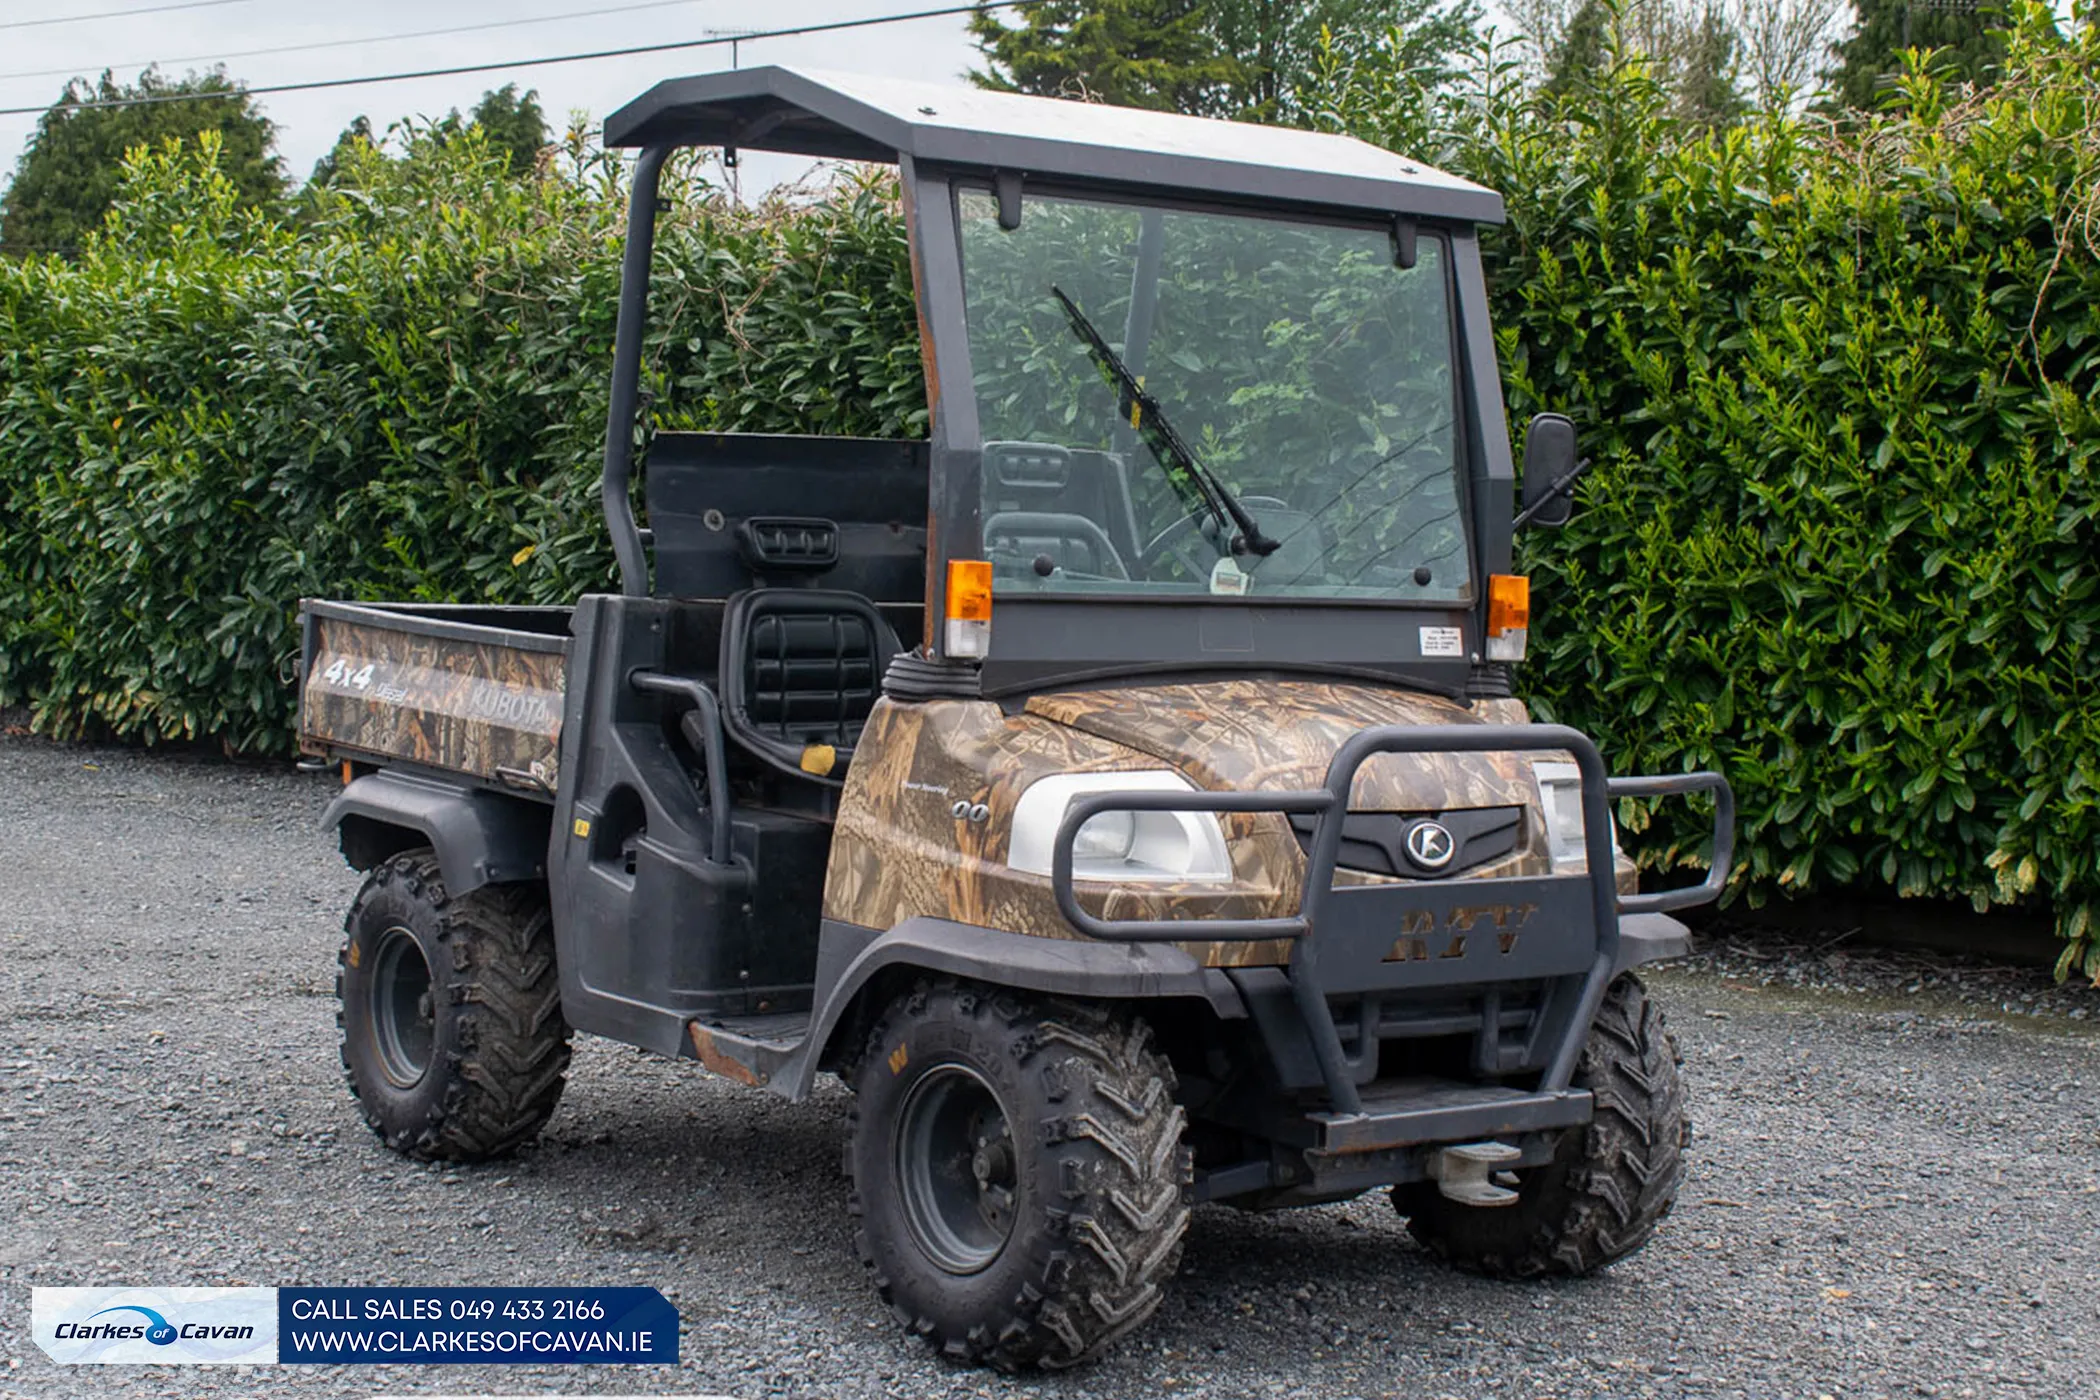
{"type": "Point", "coordinates": [937, 50]}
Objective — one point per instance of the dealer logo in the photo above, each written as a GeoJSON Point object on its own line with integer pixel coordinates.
{"type": "Point", "coordinates": [157, 1325]}
{"type": "Point", "coordinates": [159, 1330]}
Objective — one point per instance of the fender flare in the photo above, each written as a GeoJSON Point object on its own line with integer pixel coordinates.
{"type": "Point", "coordinates": [481, 837]}
{"type": "Point", "coordinates": [1053, 966]}
{"type": "Point", "coordinates": [1649, 938]}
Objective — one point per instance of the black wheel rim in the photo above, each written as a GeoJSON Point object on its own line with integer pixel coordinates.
{"type": "Point", "coordinates": [404, 1021]}
{"type": "Point", "coordinates": [956, 1169]}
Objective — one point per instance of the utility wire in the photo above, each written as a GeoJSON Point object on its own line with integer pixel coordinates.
{"type": "Point", "coordinates": [743, 37]}
{"type": "Point", "coordinates": [347, 43]}
{"type": "Point", "coordinates": [118, 14]}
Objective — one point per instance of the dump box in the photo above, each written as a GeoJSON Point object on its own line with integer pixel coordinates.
{"type": "Point", "coordinates": [465, 690]}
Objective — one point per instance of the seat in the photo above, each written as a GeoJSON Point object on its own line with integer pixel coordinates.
{"type": "Point", "coordinates": [800, 670]}
{"type": "Point", "coordinates": [1017, 538]}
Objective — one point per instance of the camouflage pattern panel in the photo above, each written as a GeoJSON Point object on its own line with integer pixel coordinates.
{"type": "Point", "coordinates": [1246, 736]}
{"type": "Point", "coordinates": [900, 848]}
{"type": "Point", "coordinates": [1503, 711]}
{"type": "Point", "coordinates": [433, 694]}
{"type": "Point", "coordinates": [906, 842]}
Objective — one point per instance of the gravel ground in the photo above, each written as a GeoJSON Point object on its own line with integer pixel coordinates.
{"type": "Point", "coordinates": [1896, 1189]}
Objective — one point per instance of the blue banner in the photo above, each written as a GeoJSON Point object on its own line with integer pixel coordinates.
{"type": "Point", "coordinates": [481, 1326]}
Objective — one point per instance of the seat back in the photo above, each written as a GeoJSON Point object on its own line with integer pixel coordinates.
{"type": "Point", "coordinates": [1040, 480]}
{"type": "Point", "coordinates": [712, 496]}
{"type": "Point", "coordinates": [800, 670]}
{"type": "Point", "coordinates": [1018, 538]}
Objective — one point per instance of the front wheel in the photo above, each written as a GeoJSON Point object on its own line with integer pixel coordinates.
{"type": "Point", "coordinates": [1609, 1184]}
{"type": "Point", "coordinates": [1018, 1173]}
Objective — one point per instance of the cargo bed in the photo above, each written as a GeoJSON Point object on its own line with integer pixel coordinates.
{"type": "Point", "coordinates": [465, 690]}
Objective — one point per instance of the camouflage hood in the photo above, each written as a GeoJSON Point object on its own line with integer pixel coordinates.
{"type": "Point", "coordinates": [1245, 736]}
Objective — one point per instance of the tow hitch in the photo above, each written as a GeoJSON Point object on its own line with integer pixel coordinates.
{"type": "Point", "coordinates": [1463, 1173]}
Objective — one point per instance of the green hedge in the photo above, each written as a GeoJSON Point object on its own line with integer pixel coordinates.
{"type": "Point", "coordinates": [401, 395]}
{"type": "Point", "coordinates": [1840, 537]}
{"type": "Point", "coordinates": [1839, 540]}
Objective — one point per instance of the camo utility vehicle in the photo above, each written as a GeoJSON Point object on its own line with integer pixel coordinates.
{"type": "Point", "coordinates": [1119, 789]}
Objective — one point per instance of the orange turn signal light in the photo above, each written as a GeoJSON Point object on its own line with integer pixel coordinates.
{"type": "Point", "coordinates": [969, 632]}
{"type": "Point", "coordinates": [970, 590]}
{"type": "Point", "coordinates": [1508, 616]}
{"type": "Point", "coordinates": [1509, 603]}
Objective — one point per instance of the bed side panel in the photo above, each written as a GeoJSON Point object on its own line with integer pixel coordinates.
{"type": "Point", "coordinates": [484, 708]}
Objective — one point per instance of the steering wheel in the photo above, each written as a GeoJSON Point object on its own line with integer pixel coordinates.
{"type": "Point", "coordinates": [1300, 552]}
{"type": "Point", "coordinates": [1178, 541]}
{"type": "Point", "coordinates": [1058, 528]}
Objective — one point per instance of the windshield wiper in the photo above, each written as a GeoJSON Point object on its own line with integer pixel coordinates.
{"type": "Point", "coordinates": [1188, 475]}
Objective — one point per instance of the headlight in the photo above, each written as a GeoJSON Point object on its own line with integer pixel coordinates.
{"type": "Point", "coordinates": [1118, 845]}
{"type": "Point", "coordinates": [1560, 803]}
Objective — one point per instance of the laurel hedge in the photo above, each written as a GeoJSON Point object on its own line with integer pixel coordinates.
{"type": "Point", "coordinates": [1838, 385]}
{"type": "Point", "coordinates": [399, 393]}
{"type": "Point", "coordinates": [1839, 540]}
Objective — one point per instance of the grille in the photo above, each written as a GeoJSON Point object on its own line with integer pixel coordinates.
{"type": "Point", "coordinates": [1375, 843]}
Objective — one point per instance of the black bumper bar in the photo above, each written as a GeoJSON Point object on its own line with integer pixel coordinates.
{"type": "Point", "coordinates": [1355, 925]}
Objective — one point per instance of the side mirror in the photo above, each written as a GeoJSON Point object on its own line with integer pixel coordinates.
{"type": "Point", "coordinates": [1550, 470]}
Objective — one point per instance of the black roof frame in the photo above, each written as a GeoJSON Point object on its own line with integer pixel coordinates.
{"type": "Point", "coordinates": [850, 117]}
{"type": "Point", "coordinates": [1197, 166]}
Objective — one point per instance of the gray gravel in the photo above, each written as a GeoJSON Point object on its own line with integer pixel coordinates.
{"type": "Point", "coordinates": [1895, 1193]}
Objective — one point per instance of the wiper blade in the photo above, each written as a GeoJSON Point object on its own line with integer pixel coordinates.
{"type": "Point", "coordinates": [1190, 477]}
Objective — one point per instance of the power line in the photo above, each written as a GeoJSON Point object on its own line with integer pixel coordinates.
{"type": "Point", "coordinates": [346, 43]}
{"type": "Point", "coordinates": [118, 14]}
{"type": "Point", "coordinates": [464, 68]}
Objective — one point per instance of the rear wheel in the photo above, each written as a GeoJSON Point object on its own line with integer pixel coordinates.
{"type": "Point", "coordinates": [452, 1033]}
{"type": "Point", "coordinates": [1609, 1184]}
{"type": "Point", "coordinates": [1018, 1173]}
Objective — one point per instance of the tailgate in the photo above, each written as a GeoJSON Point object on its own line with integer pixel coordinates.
{"type": "Point", "coordinates": [423, 685]}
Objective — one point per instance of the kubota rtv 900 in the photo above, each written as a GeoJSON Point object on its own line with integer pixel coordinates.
{"type": "Point", "coordinates": [1120, 789]}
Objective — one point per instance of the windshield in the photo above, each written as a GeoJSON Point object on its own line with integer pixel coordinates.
{"type": "Point", "coordinates": [1193, 404]}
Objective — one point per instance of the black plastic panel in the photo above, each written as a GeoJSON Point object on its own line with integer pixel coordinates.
{"type": "Point", "coordinates": [1041, 642]}
{"type": "Point", "coordinates": [701, 487]}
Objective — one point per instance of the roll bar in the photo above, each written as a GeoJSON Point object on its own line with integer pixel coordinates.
{"type": "Point", "coordinates": [614, 485]}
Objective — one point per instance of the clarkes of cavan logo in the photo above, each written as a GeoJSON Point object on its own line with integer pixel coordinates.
{"type": "Point", "coordinates": [1430, 846]}
{"type": "Point", "coordinates": [155, 1326]}
{"type": "Point", "coordinates": [155, 1329]}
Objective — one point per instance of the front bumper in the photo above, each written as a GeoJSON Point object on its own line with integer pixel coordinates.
{"type": "Point", "coordinates": [1571, 933]}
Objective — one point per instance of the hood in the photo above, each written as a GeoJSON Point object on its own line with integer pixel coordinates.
{"type": "Point", "coordinates": [1253, 735]}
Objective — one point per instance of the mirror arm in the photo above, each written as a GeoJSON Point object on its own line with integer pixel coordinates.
{"type": "Point", "coordinates": [1561, 486]}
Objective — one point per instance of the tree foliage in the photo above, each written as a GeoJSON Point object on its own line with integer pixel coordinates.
{"type": "Point", "coordinates": [1281, 43]}
{"type": "Point", "coordinates": [503, 120]}
{"type": "Point", "coordinates": [1579, 52]}
{"type": "Point", "coordinates": [1964, 36]}
{"type": "Point", "coordinates": [214, 411]}
{"type": "Point", "coordinates": [514, 125]}
{"type": "Point", "coordinates": [1129, 53]}
{"type": "Point", "coordinates": [1253, 59]}
{"type": "Point", "coordinates": [1708, 59]}
{"type": "Point", "coordinates": [1694, 55]}
{"type": "Point", "coordinates": [331, 167]}
{"type": "Point", "coordinates": [1785, 46]}
{"type": "Point", "coordinates": [69, 174]}
{"type": "Point", "coordinates": [1840, 542]}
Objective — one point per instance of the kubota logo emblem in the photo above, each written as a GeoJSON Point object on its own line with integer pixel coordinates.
{"type": "Point", "coordinates": [1430, 846]}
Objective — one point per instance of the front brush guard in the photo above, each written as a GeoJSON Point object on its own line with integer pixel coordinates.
{"type": "Point", "coordinates": [1353, 927]}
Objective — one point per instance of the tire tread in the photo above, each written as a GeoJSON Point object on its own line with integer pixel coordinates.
{"type": "Point", "coordinates": [1613, 1183]}
{"type": "Point", "coordinates": [1120, 1185]}
{"type": "Point", "coordinates": [505, 1075]}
